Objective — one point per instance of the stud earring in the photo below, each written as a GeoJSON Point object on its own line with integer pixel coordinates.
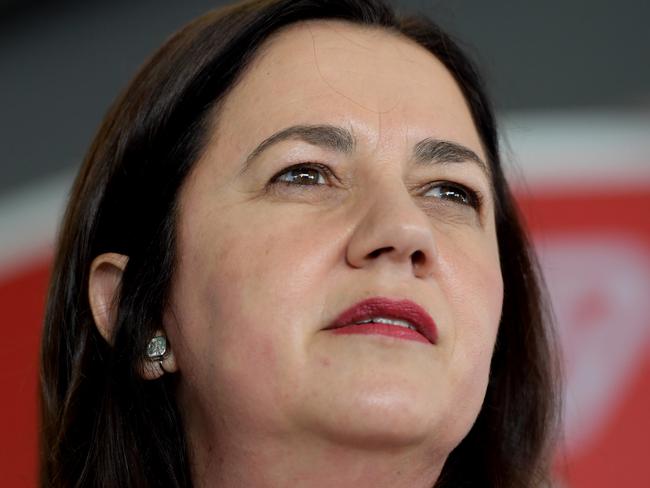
{"type": "Point", "coordinates": [157, 348]}
{"type": "Point", "coordinates": [158, 358]}
{"type": "Point", "coordinates": [157, 351]}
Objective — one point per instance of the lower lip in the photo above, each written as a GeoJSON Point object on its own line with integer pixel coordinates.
{"type": "Point", "coordinates": [382, 329]}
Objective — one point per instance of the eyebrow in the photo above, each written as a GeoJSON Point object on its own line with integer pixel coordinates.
{"type": "Point", "coordinates": [341, 140]}
{"type": "Point", "coordinates": [440, 151]}
{"type": "Point", "coordinates": [326, 136]}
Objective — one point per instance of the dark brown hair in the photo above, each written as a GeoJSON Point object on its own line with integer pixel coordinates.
{"type": "Point", "coordinates": [102, 425]}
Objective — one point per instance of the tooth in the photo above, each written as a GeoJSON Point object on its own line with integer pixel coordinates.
{"type": "Point", "coordinates": [383, 320]}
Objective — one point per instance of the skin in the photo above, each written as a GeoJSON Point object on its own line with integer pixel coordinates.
{"type": "Point", "coordinates": [268, 396]}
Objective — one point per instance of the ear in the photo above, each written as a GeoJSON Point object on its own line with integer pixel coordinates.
{"type": "Point", "coordinates": [103, 291]}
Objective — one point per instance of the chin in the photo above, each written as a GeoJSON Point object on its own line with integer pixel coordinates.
{"type": "Point", "coordinates": [381, 421]}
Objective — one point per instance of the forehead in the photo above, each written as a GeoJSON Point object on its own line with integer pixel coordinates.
{"type": "Point", "coordinates": [381, 85]}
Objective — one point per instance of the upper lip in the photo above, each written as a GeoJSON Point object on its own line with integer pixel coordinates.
{"type": "Point", "coordinates": [392, 309]}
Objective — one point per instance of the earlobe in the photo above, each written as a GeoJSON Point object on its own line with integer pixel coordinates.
{"type": "Point", "coordinates": [103, 291]}
{"type": "Point", "coordinates": [159, 358]}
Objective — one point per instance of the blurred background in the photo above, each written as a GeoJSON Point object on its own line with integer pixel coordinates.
{"type": "Point", "coordinates": [571, 83]}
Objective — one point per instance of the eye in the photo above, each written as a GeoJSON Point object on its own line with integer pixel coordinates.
{"type": "Point", "coordinates": [303, 174]}
{"type": "Point", "coordinates": [454, 192]}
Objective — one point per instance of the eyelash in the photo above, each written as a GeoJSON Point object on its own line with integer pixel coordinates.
{"type": "Point", "coordinates": [465, 196]}
{"type": "Point", "coordinates": [309, 166]}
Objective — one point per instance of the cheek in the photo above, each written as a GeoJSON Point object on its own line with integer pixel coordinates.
{"type": "Point", "coordinates": [230, 350]}
{"type": "Point", "coordinates": [475, 292]}
{"type": "Point", "coordinates": [471, 275]}
{"type": "Point", "coordinates": [244, 297]}
{"type": "Point", "coordinates": [471, 281]}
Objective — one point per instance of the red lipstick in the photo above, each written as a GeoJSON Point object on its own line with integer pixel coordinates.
{"type": "Point", "coordinates": [374, 316]}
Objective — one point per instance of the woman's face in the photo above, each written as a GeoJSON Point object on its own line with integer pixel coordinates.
{"type": "Point", "coordinates": [370, 184]}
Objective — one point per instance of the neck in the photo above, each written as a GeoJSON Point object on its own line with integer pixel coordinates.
{"type": "Point", "coordinates": [313, 463]}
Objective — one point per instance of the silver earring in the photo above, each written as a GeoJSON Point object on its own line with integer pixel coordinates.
{"type": "Point", "coordinates": [157, 349]}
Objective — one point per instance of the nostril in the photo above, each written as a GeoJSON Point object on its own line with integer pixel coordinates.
{"type": "Point", "coordinates": [377, 252]}
{"type": "Point", "coordinates": [418, 258]}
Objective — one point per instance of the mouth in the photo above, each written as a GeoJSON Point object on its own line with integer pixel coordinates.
{"type": "Point", "coordinates": [402, 319]}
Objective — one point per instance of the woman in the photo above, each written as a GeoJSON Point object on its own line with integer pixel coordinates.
{"type": "Point", "coordinates": [291, 259]}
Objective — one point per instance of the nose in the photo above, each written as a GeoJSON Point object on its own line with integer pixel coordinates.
{"type": "Point", "coordinates": [394, 231]}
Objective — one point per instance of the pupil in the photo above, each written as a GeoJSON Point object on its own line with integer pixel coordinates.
{"type": "Point", "coordinates": [455, 194]}
{"type": "Point", "coordinates": [305, 176]}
